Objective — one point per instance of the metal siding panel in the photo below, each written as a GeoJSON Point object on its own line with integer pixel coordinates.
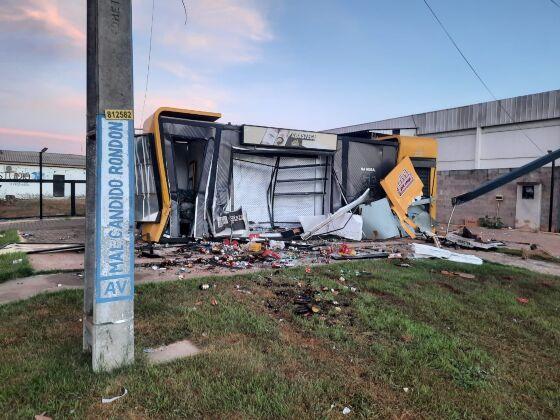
{"type": "Point", "coordinates": [535, 107]}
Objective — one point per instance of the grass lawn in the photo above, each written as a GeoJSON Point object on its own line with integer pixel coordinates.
{"type": "Point", "coordinates": [8, 237]}
{"type": "Point", "coordinates": [13, 264]}
{"type": "Point", "coordinates": [406, 342]}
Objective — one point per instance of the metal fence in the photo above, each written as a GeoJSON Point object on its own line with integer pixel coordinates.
{"type": "Point", "coordinates": [41, 206]}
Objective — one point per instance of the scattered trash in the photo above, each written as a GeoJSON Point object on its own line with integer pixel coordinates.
{"type": "Point", "coordinates": [110, 400]}
{"type": "Point", "coordinates": [339, 213]}
{"type": "Point", "coordinates": [406, 389]}
{"type": "Point", "coordinates": [268, 253]}
{"type": "Point", "coordinates": [346, 411]}
{"type": "Point", "coordinates": [42, 416]}
{"type": "Point", "coordinates": [466, 239]}
{"type": "Point", "coordinates": [361, 256]}
{"type": "Point", "coordinates": [18, 261]}
{"type": "Point", "coordinates": [522, 300]}
{"type": "Point", "coordinates": [308, 269]}
{"type": "Point", "coordinates": [59, 285]}
{"type": "Point", "coordinates": [379, 221]}
{"type": "Point", "coordinates": [278, 245]}
{"type": "Point", "coordinates": [347, 225]}
{"type": "Point", "coordinates": [459, 274]}
{"type": "Point", "coordinates": [204, 286]}
{"type": "Point", "coordinates": [427, 251]}
{"type": "Point", "coordinates": [214, 302]}
{"type": "Point", "coordinates": [254, 246]}
{"type": "Point", "coordinates": [344, 249]}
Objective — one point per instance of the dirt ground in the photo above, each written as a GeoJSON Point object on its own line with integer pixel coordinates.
{"type": "Point", "coordinates": [30, 208]}
{"type": "Point", "coordinates": [56, 230]}
{"type": "Point", "coordinates": [520, 239]}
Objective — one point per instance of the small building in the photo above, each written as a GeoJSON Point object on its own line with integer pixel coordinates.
{"type": "Point", "coordinates": [477, 143]}
{"type": "Point", "coordinates": [59, 167]}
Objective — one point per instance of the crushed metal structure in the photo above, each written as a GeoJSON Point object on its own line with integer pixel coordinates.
{"type": "Point", "coordinates": [197, 178]}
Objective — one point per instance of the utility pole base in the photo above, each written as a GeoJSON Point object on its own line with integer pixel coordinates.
{"type": "Point", "coordinates": [111, 345]}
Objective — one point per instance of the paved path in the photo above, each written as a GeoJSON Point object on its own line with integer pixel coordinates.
{"type": "Point", "coordinates": [26, 287]}
{"type": "Point", "coordinates": [538, 266]}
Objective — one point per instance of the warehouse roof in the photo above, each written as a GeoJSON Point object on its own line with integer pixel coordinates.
{"type": "Point", "coordinates": [49, 159]}
{"type": "Point", "coordinates": [539, 106]}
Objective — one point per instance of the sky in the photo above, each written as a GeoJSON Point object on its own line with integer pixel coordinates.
{"type": "Point", "coordinates": [304, 64]}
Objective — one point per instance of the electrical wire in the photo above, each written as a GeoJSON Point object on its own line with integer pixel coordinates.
{"type": "Point", "coordinates": [185, 9]}
{"type": "Point", "coordinates": [437, 19]}
{"type": "Point", "coordinates": [149, 61]}
{"type": "Point", "coordinates": [554, 2]}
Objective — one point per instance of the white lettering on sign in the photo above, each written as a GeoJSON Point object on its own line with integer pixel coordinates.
{"type": "Point", "coordinates": [114, 215]}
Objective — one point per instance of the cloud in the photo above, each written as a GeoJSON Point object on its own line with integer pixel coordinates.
{"type": "Point", "coordinates": [39, 134]}
{"type": "Point", "coordinates": [189, 96]}
{"type": "Point", "coordinates": [39, 18]}
{"type": "Point", "coordinates": [179, 70]}
{"type": "Point", "coordinates": [220, 31]}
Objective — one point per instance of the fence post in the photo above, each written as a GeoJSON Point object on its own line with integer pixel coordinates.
{"type": "Point", "coordinates": [72, 199]}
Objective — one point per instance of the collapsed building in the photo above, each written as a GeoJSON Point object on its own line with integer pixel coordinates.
{"type": "Point", "coordinates": [197, 178]}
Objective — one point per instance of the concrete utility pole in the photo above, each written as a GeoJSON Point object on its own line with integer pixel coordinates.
{"type": "Point", "coordinates": [109, 256]}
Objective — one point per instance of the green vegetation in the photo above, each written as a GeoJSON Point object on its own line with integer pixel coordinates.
{"type": "Point", "coordinates": [491, 222]}
{"type": "Point", "coordinates": [13, 264]}
{"type": "Point", "coordinates": [8, 237]}
{"type": "Point", "coordinates": [408, 341]}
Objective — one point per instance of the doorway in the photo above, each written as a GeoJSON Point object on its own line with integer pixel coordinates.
{"type": "Point", "coordinates": [528, 206]}
{"type": "Point", "coordinates": [189, 161]}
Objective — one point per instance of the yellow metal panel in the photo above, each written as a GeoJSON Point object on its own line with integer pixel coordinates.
{"type": "Point", "coordinates": [419, 147]}
{"type": "Point", "coordinates": [152, 231]}
{"type": "Point", "coordinates": [402, 185]}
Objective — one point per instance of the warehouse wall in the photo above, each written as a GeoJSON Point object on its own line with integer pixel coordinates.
{"type": "Point", "coordinates": [31, 189]}
{"type": "Point", "coordinates": [453, 183]}
{"type": "Point", "coordinates": [504, 146]}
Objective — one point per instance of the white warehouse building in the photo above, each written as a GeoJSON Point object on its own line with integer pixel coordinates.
{"type": "Point", "coordinates": [61, 168]}
{"type": "Point", "coordinates": [479, 142]}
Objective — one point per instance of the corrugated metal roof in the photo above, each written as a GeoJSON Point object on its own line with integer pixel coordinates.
{"type": "Point", "coordinates": [536, 107]}
{"type": "Point", "coordinates": [49, 159]}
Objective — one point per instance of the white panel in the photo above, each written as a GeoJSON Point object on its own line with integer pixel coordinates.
{"type": "Point", "coordinates": [250, 183]}
{"type": "Point", "coordinates": [510, 148]}
{"type": "Point", "coordinates": [456, 152]}
{"type": "Point", "coordinates": [457, 165]}
{"type": "Point", "coordinates": [281, 137]}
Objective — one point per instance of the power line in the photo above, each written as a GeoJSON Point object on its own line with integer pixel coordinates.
{"type": "Point", "coordinates": [149, 60]}
{"type": "Point", "coordinates": [554, 2]}
{"type": "Point", "coordinates": [475, 72]}
{"type": "Point", "coordinates": [185, 9]}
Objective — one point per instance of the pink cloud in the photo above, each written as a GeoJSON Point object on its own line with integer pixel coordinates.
{"type": "Point", "coordinates": [39, 134]}
{"type": "Point", "coordinates": [219, 31]}
{"type": "Point", "coordinates": [47, 16]}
